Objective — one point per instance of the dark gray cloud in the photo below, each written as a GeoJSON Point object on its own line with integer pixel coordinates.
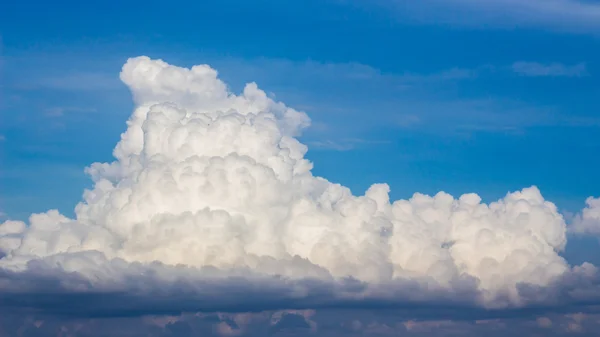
{"type": "Point", "coordinates": [332, 322]}
{"type": "Point", "coordinates": [156, 289]}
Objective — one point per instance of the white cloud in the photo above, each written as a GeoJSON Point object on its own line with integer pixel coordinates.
{"type": "Point", "coordinates": [210, 193]}
{"type": "Point", "coordinates": [535, 69]}
{"type": "Point", "coordinates": [588, 221]}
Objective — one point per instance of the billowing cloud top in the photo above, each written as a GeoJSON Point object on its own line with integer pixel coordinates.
{"type": "Point", "coordinates": [217, 184]}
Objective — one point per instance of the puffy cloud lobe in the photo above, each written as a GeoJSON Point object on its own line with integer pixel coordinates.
{"type": "Point", "coordinates": [205, 178]}
{"type": "Point", "coordinates": [588, 221]}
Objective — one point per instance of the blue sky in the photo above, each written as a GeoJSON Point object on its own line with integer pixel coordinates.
{"type": "Point", "coordinates": [459, 96]}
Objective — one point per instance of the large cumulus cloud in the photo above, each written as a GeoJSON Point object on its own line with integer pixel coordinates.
{"type": "Point", "coordinates": [211, 205]}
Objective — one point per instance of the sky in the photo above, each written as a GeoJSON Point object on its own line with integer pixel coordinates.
{"type": "Point", "coordinates": [460, 96]}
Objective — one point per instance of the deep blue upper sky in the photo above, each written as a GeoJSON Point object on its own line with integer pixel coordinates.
{"type": "Point", "coordinates": [449, 95]}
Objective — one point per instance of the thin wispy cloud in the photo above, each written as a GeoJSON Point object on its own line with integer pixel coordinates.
{"type": "Point", "coordinates": [535, 69]}
{"type": "Point", "coordinates": [61, 111]}
{"type": "Point", "coordinates": [76, 81]}
{"type": "Point", "coordinates": [346, 71]}
{"type": "Point", "coordinates": [495, 115]}
{"type": "Point", "coordinates": [345, 144]}
{"type": "Point", "coordinates": [80, 81]}
{"type": "Point", "coordinates": [407, 120]}
{"type": "Point", "coordinates": [453, 74]}
{"type": "Point", "coordinates": [561, 15]}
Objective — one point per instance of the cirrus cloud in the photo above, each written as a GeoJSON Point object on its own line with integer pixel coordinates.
{"type": "Point", "coordinates": [560, 15]}
{"type": "Point", "coordinates": [535, 69]}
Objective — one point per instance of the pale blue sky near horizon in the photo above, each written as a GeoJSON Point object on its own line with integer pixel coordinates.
{"type": "Point", "coordinates": [399, 93]}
